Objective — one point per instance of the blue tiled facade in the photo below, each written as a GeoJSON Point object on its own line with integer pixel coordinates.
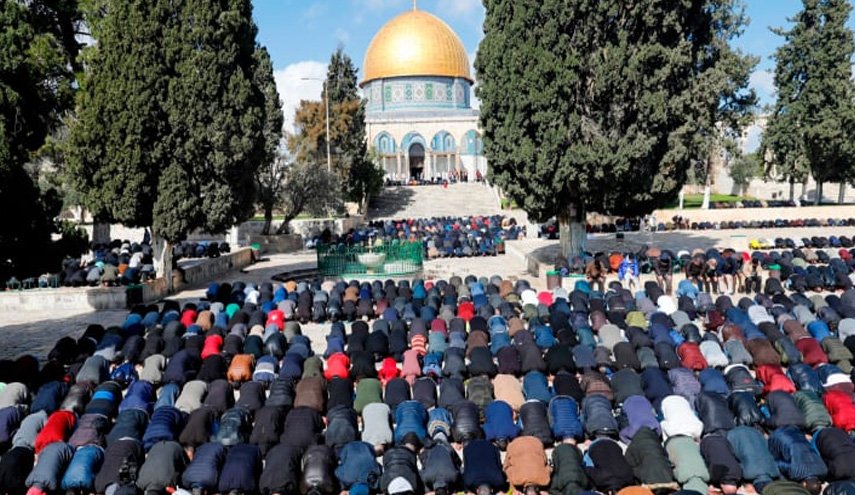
{"type": "Point", "coordinates": [417, 93]}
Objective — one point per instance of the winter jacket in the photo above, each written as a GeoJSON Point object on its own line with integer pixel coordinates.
{"type": "Point", "coordinates": [597, 416]}
{"type": "Point", "coordinates": [534, 418]}
{"type": "Point", "coordinates": [368, 391]}
{"type": "Point", "coordinates": [204, 471]}
{"type": "Point", "coordinates": [783, 410]}
{"type": "Point", "coordinates": [400, 462]}
{"type": "Point", "coordinates": [357, 464]}
{"type": "Point", "coordinates": [606, 466]}
{"type": "Point", "coordinates": [745, 409]}
{"type": "Point", "coordinates": [124, 451]}
{"type": "Point", "coordinates": [465, 423]}
{"type": "Point", "coordinates": [282, 470]}
{"type": "Point", "coordinates": [564, 418]}
{"type": "Point", "coordinates": [482, 465]}
{"type": "Point", "coordinates": [241, 469]}
{"type": "Point", "coordinates": [377, 428]}
{"type": "Point", "coordinates": [199, 426]}
{"type": "Point", "coordinates": [303, 426]}
{"type": "Point", "coordinates": [410, 417]}
{"type": "Point", "coordinates": [626, 383]}
{"type": "Point", "coordinates": [684, 383]}
{"type": "Point", "coordinates": [750, 447]}
{"type": "Point", "coordinates": [192, 395]}
{"type": "Point", "coordinates": [639, 414]}
{"type": "Point", "coordinates": [774, 379]}
{"type": "Point", "coordinates": [29, 429]}
{"type": "Point", "coordinates": [499, 422]}
{"type": "Point", "coordinates": [841, 409]}
{"type": "Point", "coordinates": [235, 427]}
{"type": "Point", "coordinates": [50, 466]}
{"type": "Point", "coordinates": [837, 450]}
{"type": "Point", "coordinates": [91, 429]}
{"type": "Point", "coordinates": [140, 395]}
{"type": "Point", "coordinates": [507, 388]}
{"type": "Point", "coordinates": [525, 463]}
{"type": "Point", "coordinates": [49, 397]}
{"type": "Point", "coordinates": [739, 379]}
{"type": "Point", "coordinates": [80, 475]}
{"type": "Point", "coordinates": [811, 406]}
{"type": "Point", "coordinates": [796, 459]}
{"type": "Point", "coordinates": [714, 413]}
{"type": "Point", "coordinates": [679, 418]}
{"type": "Point", "coordinates": [15, 466]}
{"type": "Point", "coordinates": [648, 458]}
{"type": "Point", "coordinates": [129, 424]}
{"type": "Point", "coordinates": [440, 467]}
{"type": "Point", "coordinates": [722, 465]}
{"type": "Point", "coordinates": [804, 377]}
{"type": "Point", "coordinates": [690, 470]}
{"type": "Point", "coordinates": [58, 428]}
{"type": "Point", "coordinates": [318, 467]}
{"type": "Point", "coordinates": [165, 425]}
{"type": "Point", "coordinates": [656, 386]}
{"type": "Point", "coordinates": [162, 467]}
{"type": "Point", "coordinates": [568, 475]}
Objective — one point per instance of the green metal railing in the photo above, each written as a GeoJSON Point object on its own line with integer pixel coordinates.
{"type": "Point", "coordinates": [390, 259]}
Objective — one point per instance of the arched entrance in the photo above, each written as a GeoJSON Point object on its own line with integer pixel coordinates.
{"type": "Point", "coordinates": [417, 160]}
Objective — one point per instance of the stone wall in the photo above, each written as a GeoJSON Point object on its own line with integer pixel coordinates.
{"type": "Point", "coordinates": [98, 298]}
{"type": "Point", "coordinates": [287, 243]}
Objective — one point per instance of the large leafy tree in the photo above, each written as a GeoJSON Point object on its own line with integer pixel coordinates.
{"type": "Point", "coordinates": [171, 123]}
{"type": "Point", "coordinates": [35, 90]}
{"type": "Point", "coordinates": [603, 105]}
{"type": "Point", "coordinates": [360, 177]}
{"type": "Point", "coordinates": [811, 130]}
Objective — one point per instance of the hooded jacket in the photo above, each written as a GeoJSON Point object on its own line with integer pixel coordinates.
{"type": "Point", "coordinates": [679, 418]}
{"type": "Point", "coordinates": [690, 470]}
{"type": "Point", "coordinates": [526, 463]}
{"type": "Point", "coordinates": [796, 458]}
{"type": "Point", "coordinates": [649, 461]}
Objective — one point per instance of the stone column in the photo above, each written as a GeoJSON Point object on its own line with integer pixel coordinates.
{"type": "Point", "coordinates": [427, 170]}
{"type": "Point", "coordinates": [398, 173]}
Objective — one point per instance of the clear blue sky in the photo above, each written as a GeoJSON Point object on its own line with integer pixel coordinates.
{"type": "Point", "coordinates": [301, 34]}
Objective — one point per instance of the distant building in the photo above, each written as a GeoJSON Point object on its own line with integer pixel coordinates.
{"type": "Point", "coordinates": [418, 89]}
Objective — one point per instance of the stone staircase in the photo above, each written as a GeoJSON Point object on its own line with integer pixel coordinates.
{"type": "Point", "coordinates": [434, 201]}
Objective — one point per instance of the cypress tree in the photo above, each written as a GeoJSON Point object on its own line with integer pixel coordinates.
{"type": "Point", "coordinates": [812, 126]}
{"type": "Point", "coordinates": [604, 105]}
{"type": "Point", "coordinates": [171, 126]}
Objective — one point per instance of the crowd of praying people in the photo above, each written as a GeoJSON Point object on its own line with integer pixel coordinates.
{"type": "Point", "coordinates": [442, 237]}
{"type": "Point", "coordinates": [441, 386]}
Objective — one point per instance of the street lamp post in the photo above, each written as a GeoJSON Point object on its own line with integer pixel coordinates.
{"type": "Point", "coordinates": [327, 105]}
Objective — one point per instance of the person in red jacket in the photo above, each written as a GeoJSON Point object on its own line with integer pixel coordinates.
{"type": "Point", "coordinates": [774, 379]}
{"type": "Point", "coordinates": [58, 428]}
{"type": "Point", "coordinates": [213, 345]}
{"type": "Point", "coordinates": [691, 356]}
{"type": "Point", "coordinates": [338, 366]}
{"type": "Point", "coordinates": [841, 408]}
{"type": "Point", "coordinates": [388, 370]}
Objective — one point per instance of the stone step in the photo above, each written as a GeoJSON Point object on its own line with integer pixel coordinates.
{"type": "Point", "coordinates": [432, 201]}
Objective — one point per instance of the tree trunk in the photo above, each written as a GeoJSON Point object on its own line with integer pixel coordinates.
{"type": "Point", "coordinates": [268, 219]}
{"type": "Point", "coordinates": [841, 193]}
{"type": "Point", "coordinates": [283, 227]}
{"type": "Point", "coordinates": [162, 259]}
{"type": "Point", "coordinates": [571, 230]}
{"type": "Point", "coordinates": [818, 199]}
{"type": "Point", "coordinates": [792, 189]}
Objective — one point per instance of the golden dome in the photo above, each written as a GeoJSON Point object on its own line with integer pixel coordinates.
{"type": "Point", "coordinates": [415, 43]}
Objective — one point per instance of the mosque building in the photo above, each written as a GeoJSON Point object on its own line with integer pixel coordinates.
{"type": "Point", "coordinates": [418, 89]}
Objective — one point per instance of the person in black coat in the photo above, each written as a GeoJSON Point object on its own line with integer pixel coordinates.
{"type": "Point", "coordinates": [466, 424]}
{"type": "Point", "coordinates": [400, 471]}
{"type": "Point", "coordinates": [282, 470]}
{"type": "Point", "coordinates": [318, 471]}
{"type": "Point", "coordinates": [724, 468]}
{"type": "Point", "coordinates": [482, 468]}
{"type": "Point", "coordinates": [302, 428]}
